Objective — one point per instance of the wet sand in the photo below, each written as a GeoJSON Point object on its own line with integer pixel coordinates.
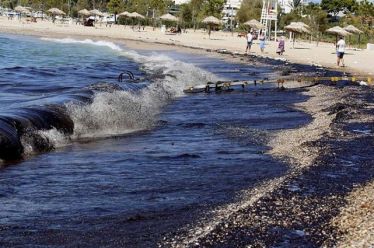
{"type": "Point", "coordinates": [323, 198]}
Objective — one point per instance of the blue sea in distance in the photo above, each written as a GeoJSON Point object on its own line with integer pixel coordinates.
{"type": "Point", "coordinates": [141, 162]}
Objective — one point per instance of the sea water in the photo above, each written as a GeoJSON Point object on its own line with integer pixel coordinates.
{"type": "Point", "coordinates": [141, 162]}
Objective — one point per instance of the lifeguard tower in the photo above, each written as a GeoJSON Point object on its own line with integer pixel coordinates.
{"type": "Point", "coordinates": [269, 14]}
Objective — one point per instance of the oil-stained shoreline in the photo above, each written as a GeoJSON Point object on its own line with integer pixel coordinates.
{"type": "Point", "coordinates": [328, 158]}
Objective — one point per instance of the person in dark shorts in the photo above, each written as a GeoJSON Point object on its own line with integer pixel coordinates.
{"type": "Point", "coordinates": [340, 50]}
{"type": "Point", "coordinates": [249, 38]}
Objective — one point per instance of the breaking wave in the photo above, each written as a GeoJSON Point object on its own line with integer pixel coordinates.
{"type": "Point", "coordinates": [107, 113]}
{"type": "Point", "coordinates": [108, 44]}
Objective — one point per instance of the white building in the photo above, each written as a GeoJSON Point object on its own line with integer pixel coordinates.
{"type": "Point", "coordinates": [287, 5]}
{"type": "Point", "coordinates": [177, 2]}
{"type": "Point", "coordinates": [230, 9]}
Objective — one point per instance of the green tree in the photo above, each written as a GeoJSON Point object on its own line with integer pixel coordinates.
{"type": "Point", "coordinates": [335, 6]}
{"type": "Point", "coordinates": [115, 7]}
{"type": "Point", "coordinates": [365, 11]}
{"type": "Point", "coordinates": [83, 4]}
{"type": "Point", "coordinates": [250, 9]}
{"type": "Point", "coordinates": [213, 8]}
{"type": "Point", "coordinates": [295, 4]}
{"type": "Point", "coordinates": [317, 20]}
{"type": "Point", "coordinates": [185, 13]}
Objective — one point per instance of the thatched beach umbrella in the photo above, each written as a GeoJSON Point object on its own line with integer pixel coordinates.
{"type": "Point", "coordinates": [84, 12]}
{"type": "Point", "coordinates": [56, 11]}
{"type": "Point", "coordinates": [297, 27]}
{"type": "Point", "coordinates": [337, 31]}
{"type": "Point", "coordinates": [135, 15]}
{"type": "Point", "coordinates": [353, 30]}
{"type": "Point", "coordinates": [22, 10]}
{"type": "Point", "coordinates": [19, 9]}
{"type": "Point", "coordinates": [254, 24]}
{"type": "Point", "coordinates": [169, 17]}
{"type": "Point", "coordinates": [124, 14]}
{"type": "Point", "coordinates": [211, 21]}
{"type": "Point", "coordinates": [96, 12]}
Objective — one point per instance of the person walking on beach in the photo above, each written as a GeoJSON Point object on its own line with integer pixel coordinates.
{"type": "Point", "coordinates": [249, 38]}
{"type": "Point", "coordinates": [340, 50]}
{"type": "Point", "coordinates": [261, 38]}
{"type": "Point", "coordinates": [281, 46]}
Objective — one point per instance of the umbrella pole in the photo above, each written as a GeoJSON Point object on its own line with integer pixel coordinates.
{"type": "Point", "coordinates": [294, 37]}
{"type": "Point", "coordinates": [209, 30]}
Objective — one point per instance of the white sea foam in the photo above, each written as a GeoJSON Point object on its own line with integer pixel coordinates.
{"type": "Point", "coordinates": [108, 44]}
{"type": "Point", "coordinates": [128, 111]}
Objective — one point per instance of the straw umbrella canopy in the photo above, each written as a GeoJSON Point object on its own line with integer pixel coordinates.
{"type": "Point", "coordinates": [84, 12]}
{"type": "Point", "coordinates": [254, 24]}
{"type": "Point", "coordinates": [124, 14]}
{"type": "Point", "coordinates": [19, 9]}
{"type": "Point", "coordinates": [211, 21]}
{"type": "Point", "coordinates": [56, 11]}
{"type": "Point", "coordinates": [96, 12]}
{"type": "Point", "coordinates": [22, 10]}
{"type": "Point", "coordinates": [338, 31]}
{"type": "Point", "coordinates": [136, 15]}
{"type": "Point", "coordinates": [297, 27]}
{"type": "Point", "coordinates": [169, 17]}
{"type": "Point", "coordinates": [353, 30]}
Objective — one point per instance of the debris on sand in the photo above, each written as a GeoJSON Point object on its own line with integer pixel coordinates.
{"type": "Point", "coordinates": [356, 220]}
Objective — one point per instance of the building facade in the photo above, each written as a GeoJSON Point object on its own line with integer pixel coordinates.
{"type": "Point", "coordinates": [287, 5]}
{"type": "Point", "coordinates": [230, 9]}
{"type": "Point", "coordinates": [177, 2]}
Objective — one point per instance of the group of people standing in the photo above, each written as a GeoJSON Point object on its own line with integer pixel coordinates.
{"type": "Point", "coordinates": [340, 46]}
{"type": "Point", "coordinates": [261, 38]}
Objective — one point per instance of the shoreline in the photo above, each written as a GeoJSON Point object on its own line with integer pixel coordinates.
{"type": "Point", "coordinates": [283, 144]}
{"type": "Point", "coordinates": [306, 53]}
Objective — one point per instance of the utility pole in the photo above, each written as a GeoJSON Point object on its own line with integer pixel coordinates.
{"type": "Point", "coordinates": [231, 15]}
{"type": "Point", "coordinates": [153, 18]}
{"type": "Point", "coordinates": [69, 2]}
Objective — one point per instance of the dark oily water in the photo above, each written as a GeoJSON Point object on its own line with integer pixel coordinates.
{"type": "Point", "coordinates": [181, 155]}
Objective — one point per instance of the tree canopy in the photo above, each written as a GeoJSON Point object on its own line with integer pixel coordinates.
{"type": "Point", "coordinates": [335, 6]}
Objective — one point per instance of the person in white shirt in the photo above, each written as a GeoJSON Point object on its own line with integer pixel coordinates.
{"type": "Point", "coordinates": [340, 50]}
{"type": "Point", "coordinates": [249, 42]}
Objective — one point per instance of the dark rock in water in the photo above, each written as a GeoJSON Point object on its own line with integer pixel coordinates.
{"type": "Point", "coordinates": [105, 87]}
{"type": "Point", "coordinates": [10, 144]}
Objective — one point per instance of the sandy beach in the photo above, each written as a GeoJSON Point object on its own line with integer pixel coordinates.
{"type": "Point", "coordinates": [300, 147]}
{"type": "Point", "coordinates": [356, 61]}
